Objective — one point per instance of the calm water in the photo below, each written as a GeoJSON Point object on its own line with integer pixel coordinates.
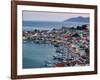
{"type": "Point", "coordinates": [29, 25]}
{"type": "Point", "coordinates": [35, 55]}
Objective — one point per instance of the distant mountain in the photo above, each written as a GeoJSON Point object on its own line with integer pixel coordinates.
{"type": "Point", "coordinates": [78, 19]}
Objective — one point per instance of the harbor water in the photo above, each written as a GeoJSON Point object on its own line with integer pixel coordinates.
{"type": "Point", "coordinates": [35, 55]}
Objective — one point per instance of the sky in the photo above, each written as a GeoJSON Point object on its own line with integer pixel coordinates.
{"type": "Point", "coordinates": [50, 16]}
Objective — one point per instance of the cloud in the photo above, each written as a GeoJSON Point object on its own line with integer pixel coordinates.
{"type": "Point", "coordinates": [50, 16]}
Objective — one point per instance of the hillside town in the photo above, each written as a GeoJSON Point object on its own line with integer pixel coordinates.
{"type": "Point", "coordinates": [71, 43]}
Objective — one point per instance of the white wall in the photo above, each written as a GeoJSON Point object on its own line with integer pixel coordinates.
{"type": "Point", "coordinates": [5, 29]}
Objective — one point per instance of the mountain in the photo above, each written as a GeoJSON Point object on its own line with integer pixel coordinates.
{"type": "Point", "coordinates": [78, 19]}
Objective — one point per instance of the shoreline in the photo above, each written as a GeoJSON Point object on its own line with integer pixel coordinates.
{"type": "Point", "coordinates": [72, 39]}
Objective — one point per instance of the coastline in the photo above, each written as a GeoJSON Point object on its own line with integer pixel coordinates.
{"type": "Point", "coordinates": [63, 39]}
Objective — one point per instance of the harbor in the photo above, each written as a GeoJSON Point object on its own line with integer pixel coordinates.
{"type": "Point", "coordinates": [70, 45]}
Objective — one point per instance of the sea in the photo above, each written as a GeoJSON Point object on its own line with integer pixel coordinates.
{"type": "Point", "coordinates": [36, 55]}
{"type": "Point", "coordinates": [46, 25]}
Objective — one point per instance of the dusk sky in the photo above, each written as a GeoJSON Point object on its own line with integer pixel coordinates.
{"type": "Point", "coordinates": [49, 16]}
